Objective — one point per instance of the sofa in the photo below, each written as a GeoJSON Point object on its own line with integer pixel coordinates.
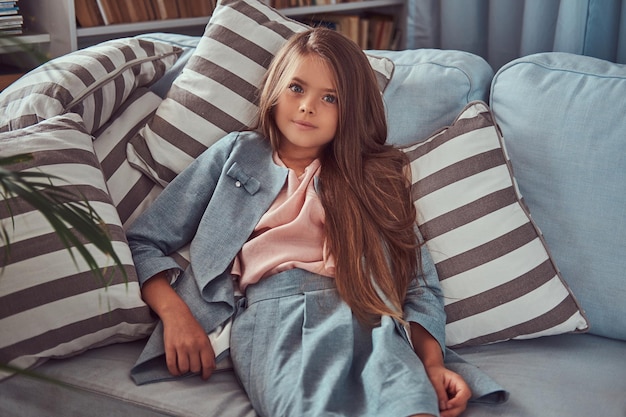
{"type": "Point", "coordinates": [517, 178]}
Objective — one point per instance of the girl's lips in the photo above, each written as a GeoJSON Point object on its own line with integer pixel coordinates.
{"type": "Point", "coordinates": [304, 124]}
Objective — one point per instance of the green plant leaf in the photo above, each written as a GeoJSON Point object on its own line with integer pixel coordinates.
{"type": "Point", "coordinates": [35, 375]}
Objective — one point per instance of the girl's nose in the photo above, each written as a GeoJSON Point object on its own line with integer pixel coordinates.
{"type": "Point", "coordinates": [306, 107]}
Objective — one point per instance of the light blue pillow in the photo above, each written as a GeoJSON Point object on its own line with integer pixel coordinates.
{"type": "Point", "coordinates": [429, 89]}
{"type": "Point", "coordinates": [563, 118]}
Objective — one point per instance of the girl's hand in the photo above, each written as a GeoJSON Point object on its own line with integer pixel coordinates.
{"type": "Point", "coordinates": [187, 346]}
{"type": "Point", "coordinates": [452, 391]}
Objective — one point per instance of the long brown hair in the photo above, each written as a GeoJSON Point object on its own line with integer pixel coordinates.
{"type": "Point", "coordinates": [364, 186]}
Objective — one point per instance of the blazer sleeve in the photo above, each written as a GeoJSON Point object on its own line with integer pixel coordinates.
{"type": "Point", "coordinates": [424, 301]}
{"type": "Point", "coordinates": [173, 218]}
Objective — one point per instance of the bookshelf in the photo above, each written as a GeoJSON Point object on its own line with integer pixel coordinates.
{"type": "Point", "coordinates": [50, 26]}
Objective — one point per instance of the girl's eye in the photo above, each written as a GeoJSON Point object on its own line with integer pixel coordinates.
{"type": "Point", "coordinates": [330, 99]}
{"type": "Point", "coordinates": [296, 88]}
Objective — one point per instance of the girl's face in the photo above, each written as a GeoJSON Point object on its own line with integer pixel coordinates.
{"type": "Point", "coordinates": [306, 112]}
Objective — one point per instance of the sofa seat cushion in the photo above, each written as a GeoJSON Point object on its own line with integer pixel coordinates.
{"type": "Point", "coordinates": [562, 117]}
{"type": "Point", "coordinates": [573, 375]}
{"type": "Point", "coordinates": [98, 384]}
{"type": "Point", "coordinates": [566, 375]}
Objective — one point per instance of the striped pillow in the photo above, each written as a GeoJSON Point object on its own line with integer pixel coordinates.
{"type": "Point", "coordinates": [130, 190]}
{"type": "Point", "coordinates": [498, 278]}
{"type": "Point", "coordinates": [92, 82]}
{"type": "Point", "coordinates": [217, 91]}
{"type": "Point", "coordinates": [49, 305]}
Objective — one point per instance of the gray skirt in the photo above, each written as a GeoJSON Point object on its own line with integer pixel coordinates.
{"type": "Point", "coordinates": [299, 351]}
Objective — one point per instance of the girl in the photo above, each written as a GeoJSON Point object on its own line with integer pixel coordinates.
{"type": "Point", "coordinates": [311, 218]}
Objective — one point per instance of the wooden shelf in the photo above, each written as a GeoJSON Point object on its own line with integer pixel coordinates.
{"type": "Point", "coordinates": [148, 26]}
{"type": "Point", "coordinates": [55, 32]}
{"type": "Point", "coordinates": [20, 42]}
{"type": "Point", "coordinates": [351, 6]}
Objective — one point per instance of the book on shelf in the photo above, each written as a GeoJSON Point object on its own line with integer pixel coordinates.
{"type": "Point", "coordinates": [166, 9]}
{"type": "Point", "coordinates": [136, 11]}
{"type": "Point", "coordinates": [348, 25]}
{"type": "Point", "coordinates": [10, 32]}
{"type": "Point", "coordinates": [9, 8]}
{"type": "Point", "coordinates": [202, 8]}
{"type": "Point", "coordinates": [184, 8]}
{"type": "Point", "coordinates": [149, 7]}
{"type": "Point", "coordinates": [282, 4]}
{"type": "Point", "coordinates": [368, 30]}
{"type": "Point", "coordinates": [87, 13]}
{"type": "Point", "coordinates": [8, 11]}
{"type": "Point", "coordinates": [108, 12]}
{"type": "Point", "coordinates": [382, 31]}
{"type": "Point", "coordinates": [11, 21]}
{"type": "Point", "coordinates": [195, 8]}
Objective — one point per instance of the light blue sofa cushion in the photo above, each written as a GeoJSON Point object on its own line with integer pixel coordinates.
{"type": "Point", "coordinates": [563, 118]}
{"type": "Point", "coordinates": [558, 376]}
{"type": "Point", "coordinates": [429, 88]}
{"type": "Point", "coordinates": [569, 375]}
{"type": "Point", "coordinates": [97, 383]}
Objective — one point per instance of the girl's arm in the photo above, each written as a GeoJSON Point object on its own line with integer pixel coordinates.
{"type": "Point", "coordinates": [187, 346]}
{"type": "Point", "coordinates": [168, 224]}
{"type": "Point", "coordinates": [452, 391]}
{"type": "Point", "coordinates": [424, 310]}
{"type": "Point", "coordinates": [173, 218]}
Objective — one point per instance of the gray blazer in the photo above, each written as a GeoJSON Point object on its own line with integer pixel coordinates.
{"type": "Point", "coordinates": [215, 203]}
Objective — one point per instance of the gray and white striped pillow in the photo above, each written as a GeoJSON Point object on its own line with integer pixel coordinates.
{"type": "Point", "coordinates": [49, 305]}
{"type": "Point", "coordinates": [92, 82]}
{"type": "Point", "coordinates": [498, 278]}
{"type": "Point", "coordinates": [217, 91]}
{"type": "Point", "coordinates": [131, 191]}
